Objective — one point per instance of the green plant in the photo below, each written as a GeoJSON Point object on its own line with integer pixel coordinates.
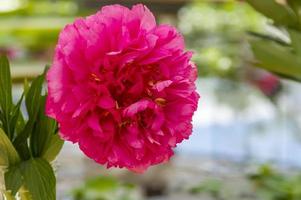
{"type": "Point", "coordinates": [216, 33]}
{"type": "Point", "coordinates": [28, 144]}
{"type": "Point", "coordinates": [105, 188]}
{"type": "Point", "coordinates": [212, 187]}
{"type": "Point", "coordinates": [279, 54]}
{"type": "Point", "coordinates": [271, 185]}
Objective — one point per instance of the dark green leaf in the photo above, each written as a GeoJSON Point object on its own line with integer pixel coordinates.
{"type": "Point", "coordinates": [32, 101]}
{"type": "Point", "coordinates": [42, 133]}
{"type": "Point", "coordinates": [21, 142]}
{"type": "Point", "coordinates": [20, 124]}
{"type": "Point", "coordinates": [8, 149]}
{"type": "Point", "coordinates": [280, 14]}
{"type": "Point", "coordinates": [5, 93]}
{"type": "Point", "coordinates": [39, 179]}
{"type": "Point", "coordinates": [33, 97]}
{"type": "Point", "coordinates": [16, 115]}
{"type": "Point", "coordinates": [53, 148]}
{"type": "Point", "coordinates": [13, 179]}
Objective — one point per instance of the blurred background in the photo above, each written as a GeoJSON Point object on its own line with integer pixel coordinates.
{"type": "Point", "coordinates": [246, 142]}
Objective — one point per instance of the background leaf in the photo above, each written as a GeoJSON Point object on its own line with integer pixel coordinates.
{"type": "Point", "coordinates": [280, 14]}
{"type": "Point", "coordinates": [276, 58]}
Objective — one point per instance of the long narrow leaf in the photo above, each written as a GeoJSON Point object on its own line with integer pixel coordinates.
{"type": "Point", "coordinates": [42, 132]}
{"type": "Point", "coordinates": [276, 58]}
{"type": "Point", "coordinates": [5, 93]}
{"type": "Point", "coordinates": [32, 101]}
{"type": "Point", "coordinates": [33, 96]}
{"type": "Point", "coordinates": [16, 115]}
{"type": "Point", "coordinates": [281, 14]}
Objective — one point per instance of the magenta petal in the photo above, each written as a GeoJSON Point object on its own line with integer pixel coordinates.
{"type": "Point", "coordinates": [106, 102]}
{"type": "Point", "coordinates": [138, 107]}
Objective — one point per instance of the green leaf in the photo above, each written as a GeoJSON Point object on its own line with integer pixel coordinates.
{"type": "Point", "coordinates": [39, 179]}
{"type": "Point", "coordinates": [280, 14]}
{"type": "Point", "coordinates": [53, 148]}
{"type": "Point", "coordinates": [33, 96]}
{"type": "Point", "coordinates": [1, 119]}
{"type": "Point", "coordinates": [20, 124]}
{"type": "Point", "coordinates": [13, 179]}
{"type": "Point", "coordinates": [267, 37]}
{"type": "Point", "coordinates": [296, 42]}
{"type": "Point", "coordinates": [295, 5]}
{"type": "Point", "coordinates": [32, 101]}
{"type": "Point", "coordinates": [276, 58]}
{"type": "Point", "coordinates": [3, 158]}
{"type": "Point", "coordinates": [6, 101]}
{"type": "Point", "coordinates": [44, 128]}
{"type": "Point", "coordinates": [21, 143]}
{"type": "Point", "coordinates": [25, 86]}
{"type": "Point", "coordinates": [8, 149]}
{"type": "Point", "coordinates": [16, 114]}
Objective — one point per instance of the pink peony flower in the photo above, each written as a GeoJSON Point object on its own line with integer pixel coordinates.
{"type": "Point", "coordinates": [122, 87]}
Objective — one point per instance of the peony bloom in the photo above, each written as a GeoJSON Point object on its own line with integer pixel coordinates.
{"type": "Point", "coordinates": [122, 87]}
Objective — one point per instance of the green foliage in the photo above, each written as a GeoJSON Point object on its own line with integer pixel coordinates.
{"type": "Point", "coordinates": [39, 179]}
{"type": "Point", "coordinates": [23, 27]}
{"type": "Point", "coordinates": [27, 146]}
{"type": "Point", "coordinates": [105, 188]}
{"type": "Point", "coordinates": [41, 7]}
{"type": "Point", "coordinates": [5, 94]}
{"type": "Point", "coordinates": [34, 105]}
{"type": "Point", "coordinates": [52, 148]}
{"type": "Point", "coordinates": [213, 187]}
{"type": "Point", "coordinates": [13, 179]}
{"type": "Point", "coordinates": [280, 14]}
{"type": "Point", "coordinates": [10, 155]}
{"type": "Point", "coordinates": [277, 54]}
{"type": "Point", "coordinates": [271, 185]}
{"type": "Point", "coordinates": [216, 34]}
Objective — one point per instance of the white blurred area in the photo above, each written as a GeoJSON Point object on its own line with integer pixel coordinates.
{"type": "Point", "coordinates": [10, 5]}
{"type": "Point", "coordinates": [258, 132]}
